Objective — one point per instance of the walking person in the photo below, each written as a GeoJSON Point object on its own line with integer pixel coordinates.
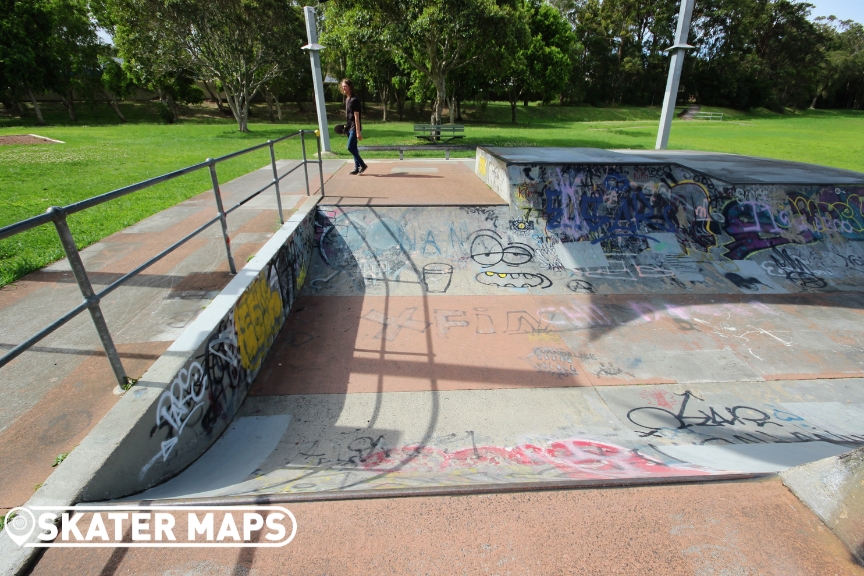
{"type": "Point", "coordinates": [352, 124]}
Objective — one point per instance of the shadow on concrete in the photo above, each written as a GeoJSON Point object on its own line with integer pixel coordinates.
{"type": "Point", "coordinates": [379, 362]}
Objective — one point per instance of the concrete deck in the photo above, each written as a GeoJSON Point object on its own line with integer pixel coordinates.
{"type": "Point", "coordinates": [411, 183]}
{"type": "Point", "coordinates": [53, 395]}
{"type": "Point", "coordinates": [732, 168]}
{"type": "Point", "coordinates": [727, 528]}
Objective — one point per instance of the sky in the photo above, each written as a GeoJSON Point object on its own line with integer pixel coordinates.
{"type": "Point", "coordinates": [842, 9]}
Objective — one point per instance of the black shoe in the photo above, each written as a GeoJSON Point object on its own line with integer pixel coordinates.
{"type": "Point", "coordinates": [354, 172]}
{"type": "Point", "coordinates": [362, 169]}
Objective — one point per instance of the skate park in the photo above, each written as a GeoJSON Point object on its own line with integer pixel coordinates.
{"type": "Point", "coordinates": [561, 319]}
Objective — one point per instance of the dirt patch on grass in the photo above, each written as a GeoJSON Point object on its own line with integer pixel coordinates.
{"type": "Point", "coordinates": [26, 139]}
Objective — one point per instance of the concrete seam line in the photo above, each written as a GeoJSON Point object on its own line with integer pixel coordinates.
{"type": "Point", "coordinates": [433, 491]}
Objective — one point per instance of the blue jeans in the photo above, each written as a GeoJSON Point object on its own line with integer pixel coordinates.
{"type": "Point", "coordinates": [352, 148]}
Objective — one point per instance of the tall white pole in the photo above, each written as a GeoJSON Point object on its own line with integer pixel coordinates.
{"type": "Point", "coordinates": [675, 64]}
{"type": "Point", "coordinates": [317, 79]}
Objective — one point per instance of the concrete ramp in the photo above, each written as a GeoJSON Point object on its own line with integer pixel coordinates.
{"type": "Point", "coordinates": [590, 318]}
{"type": "Point", "coordinates": [620, 319]}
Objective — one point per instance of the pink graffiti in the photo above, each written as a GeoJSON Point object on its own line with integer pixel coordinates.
{"type": "Point", "coordinates": [574, 458]}
{"type": "Point", "coordinates": [658, 397]}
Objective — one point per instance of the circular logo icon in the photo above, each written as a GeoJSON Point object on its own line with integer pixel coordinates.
{"type": "Point", "coordinates": [20, 524]}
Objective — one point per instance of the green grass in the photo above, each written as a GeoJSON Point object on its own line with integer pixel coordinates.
{"type": "Point", "coordinates": [100, 155]}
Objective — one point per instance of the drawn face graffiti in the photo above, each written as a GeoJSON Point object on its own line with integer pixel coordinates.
{"type": "Point", "coordinates": [487, 250]}
{"type": "Point", "coordinates": [513, 279]}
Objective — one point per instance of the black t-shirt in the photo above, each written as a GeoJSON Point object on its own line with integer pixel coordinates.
{"type": "Point", "coordinates": [352, 104]}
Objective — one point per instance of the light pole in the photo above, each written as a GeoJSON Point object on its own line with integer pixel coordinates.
{"type": "Point", "coordinates": [675, 63]}
{"type": "Point", "coordinates": [317, 79]}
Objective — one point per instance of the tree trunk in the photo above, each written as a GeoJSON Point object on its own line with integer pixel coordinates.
{"type": "Point", "coordinates": [513, 111]}
{"type": "Point", "coordinates": [112, 101]}
{"type": "Point", "coordinates": [267, 98]}
{"type": "Point", "coordinates": [384, 93]}
{"type": "Point", "coordinates": [244, 114]}
{"type": "Point", "coordinates": [35, 106]}
{"type": "Point", "coordinates": [18, 108]}
{"type": "Point", "coordinates": [215, 96]}
{"type": "Point", "coordinates": [278, 107]}
{"type": "Point", "coordinates": [451, 108]}
{"type": "Point", "coordinates": [69, 103]}
{"type": "Point", "coordinates": [232, 104]}
{"type": "Point", "coordinates": [440, 96]}
{"type": "Point", "coordinates": [458, 110]}
{"type": "Point", "coordinates": [300, 107]}
{"type": "Point", "coordinates": [172, 107]}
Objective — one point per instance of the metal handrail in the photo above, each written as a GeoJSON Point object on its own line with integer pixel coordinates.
{"type": "Point", "coordinates": [58, 216]}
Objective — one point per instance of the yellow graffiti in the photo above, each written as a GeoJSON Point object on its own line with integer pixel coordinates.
{"type": "Point", "coordinates": [481, 165]}
{"type": "Point", "coordinates": [257, 320]}
{"type": "Point", "coordinates": [824, 217]}
{"type": "Point", "coordinates": [302, 277]}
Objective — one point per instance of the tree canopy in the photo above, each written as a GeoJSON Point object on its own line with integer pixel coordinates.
{"type": "Point", "coordinates": [748, 53]}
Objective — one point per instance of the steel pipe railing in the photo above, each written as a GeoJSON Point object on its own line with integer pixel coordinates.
{"type": "Point", "coordinates": [58, 215]}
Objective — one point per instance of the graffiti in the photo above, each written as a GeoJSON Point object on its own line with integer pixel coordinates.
{"type": "Point", "coordinates": [581, 286]}
{"type": "Point", "coordinates": [181, 405]}
{"type": "Point", "coordinates": [557, 361]}
{"type": "Point", "coordinates": [183, 399]}
{"type": "Point", "coordinates": [206, 393]}
{"type": "Point", "coordinates": [513, 279]}
{"type": "Point", "coordinates": [522, 225]}
{"type": "Point", "coordinates": [257, 318]}
{"type": "Point", "coordinates": [609, 370]}
{"type": "Point", "coordinates": [572, 457]}
{"type": "Point", "coordinates": [391, 327]}
{"type": "Point", "coordinates": [745, 283]}
{"type": "Point", "coordinates": [487, 250]}
{"type": "Point", "coordinates": [225, 372]}
{"type": "Point", "coordinates": [437, 277]}
{"type": "Point", "coordinates": [488, 214]}
{"type": "Point", "coordinates": [578, 458]}
{"type": "Point", "coordinates": [653, 419]}
{"type": "Point", "coordinates": [686, 219]}
{"type": "Point", "coordinates": [361, 241]}
{"type": "Point", "coordinates": [796, 271]}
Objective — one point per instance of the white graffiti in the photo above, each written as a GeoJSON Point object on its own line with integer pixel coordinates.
{"type": "Point", "coordinates": [183, 398]}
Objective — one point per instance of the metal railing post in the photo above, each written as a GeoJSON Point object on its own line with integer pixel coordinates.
{"type": "Point", "coordinates": [305, 161]}
{"type": "Point", "coordinates": [58, 215]}
{"type": "Point", "coordinates": [276, 182]}
{"type": "Point", "coordinates": [320, 163]}
{"type": "Point", "coordinates": [221, 214]}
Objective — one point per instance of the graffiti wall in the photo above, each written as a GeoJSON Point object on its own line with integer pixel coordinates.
{"type": "Point", "coordinates": [204, 395]}
{"type": "Point", "coordinates": [625, 229]}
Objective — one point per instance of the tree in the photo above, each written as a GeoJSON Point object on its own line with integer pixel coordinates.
{"type": "Point", "coordinates": [436, 37]}
{"type": "Point", "coordinates": [115, 83]}
{"type": "Point", "coordinates": [356, 48]}
{"type": "Point", "coordinates": [241, 43]}
{"type": "Point", "coordinates": [841, 75]}
{"type": "Point", "coordinates": [73, 52]}
{"type": "Point", "coordinates": [25, 31]}
{"type": "Point", "coordinates": [541, 66]}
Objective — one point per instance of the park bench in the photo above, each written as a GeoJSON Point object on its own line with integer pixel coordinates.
{"type": "Point", "coordinates": [422, 148]}
{"type": "Point", "coordinates": [433, 132]}
{"type": "Point", "coordinates": [706, 116]}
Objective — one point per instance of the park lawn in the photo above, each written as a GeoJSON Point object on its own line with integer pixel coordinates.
{"type": "Point", "coordinates": [97, 159]}
{"type": "Point", "coordinates": [103, 155]}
